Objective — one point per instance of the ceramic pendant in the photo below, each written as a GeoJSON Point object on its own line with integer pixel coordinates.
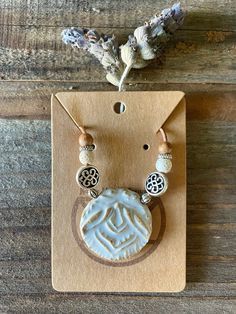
{"type": "Point", "coordinates": [116, 225]}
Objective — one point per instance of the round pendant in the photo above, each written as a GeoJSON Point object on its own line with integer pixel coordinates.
{"type": "Point", "coordinates": [116, 225]}
{"type": "Point", "coordinates": [156, 184]}
{"type": "Point", "coordinates": [87, 177]}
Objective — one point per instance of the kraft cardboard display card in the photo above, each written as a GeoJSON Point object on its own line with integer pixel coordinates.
{"type": "Point", "coordinates": [127, 235]}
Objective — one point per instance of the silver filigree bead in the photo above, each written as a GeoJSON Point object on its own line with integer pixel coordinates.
{"type": "Point", "coordinates": [87, 177]}
{"type": "Point", "coordinates": [93, 193]}
{"type": "Point", "coordinates": [87, 147]}
{"type": "Point", "coordinates": [156, 184]}
{"type": "Point", "coordinates": [145, 198]}
{"type": "Point", "coordinates": [165, 156]}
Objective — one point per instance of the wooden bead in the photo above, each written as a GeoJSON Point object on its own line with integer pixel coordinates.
{"type": "Point", "coordinates": [164, 148]}
{"type": "Point", "coordinates": [85, 139]}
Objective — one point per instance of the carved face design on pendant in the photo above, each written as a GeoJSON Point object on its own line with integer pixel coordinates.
{"type": "Point", "coordinates": [116, 225]}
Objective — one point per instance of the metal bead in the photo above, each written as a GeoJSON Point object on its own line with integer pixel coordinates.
{"type": "Point", "coordinates": [93, 193]}
{"type": "Point", "coordinates": [87, 177]}
{"type": "Point", "coordinates": [145, 198]}
{"type": "Point", "coordinates": [165, 156]}
{"type": "Point", "coordinates": [156, 184]}
{"type": "Point", "coordinates": [87, 147]}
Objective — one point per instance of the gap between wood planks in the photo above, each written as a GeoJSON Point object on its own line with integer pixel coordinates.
{"type": "Point", "coordinates": [31, 99]}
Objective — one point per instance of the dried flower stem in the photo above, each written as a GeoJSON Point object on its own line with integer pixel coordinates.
{"type": "Point", "coordinates": [124, 75]}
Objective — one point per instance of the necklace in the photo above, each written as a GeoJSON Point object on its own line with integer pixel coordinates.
{"type": "Point", "coordinates": [117, 223]}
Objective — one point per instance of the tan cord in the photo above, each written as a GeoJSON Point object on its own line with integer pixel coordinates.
{"type": "Point", "coordinates": [81, 128]}
{"type": "Point", "coordinates": [163, 134]}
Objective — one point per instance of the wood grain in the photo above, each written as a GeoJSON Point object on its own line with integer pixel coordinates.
{"type": "Point", "coordinates": [34, 54]}
{"type": "Point", "coordinates": [210, 14]}
{"type": "Point", "coordinates": [200, 61]}
{"type": "Point", "coordinates": [29, 99]}
{"type": "Point", "coordinates": [52, 303]}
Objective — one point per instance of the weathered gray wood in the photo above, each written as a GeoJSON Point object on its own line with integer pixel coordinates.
{"type": "Point", "coordinates": [210, 14]}
{"type": "Point", "coordinates": [23, 163]}
{"type": "Point", "coordinates": [35, 273]}
{"type": "Point", "coordinates": [25, 217]}
{"type": "Point", "coordinates": [33, 55]}
{"type": "Point", "coordinates": [60, 303]}
{"type": "Point", "coordinates": [215, 133]}
{"type": "Point", "coordinates": [203, 176]}
{"type": "Point", "coordinates": [211, 194]}
{"type": "Point", "coordinates": [211, 213]}
{"type": "Point", "coordinates": [30, 243]}
{"type": "Point", "coordinates": [210, 268]}
{"type": "Point", "coordinates": [32, 99]}
{"type": "Point", "coordinates": [211, 156]}
{"type": "Point", "coordinates": [24, 181]}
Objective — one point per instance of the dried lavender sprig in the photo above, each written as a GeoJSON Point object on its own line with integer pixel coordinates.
{"type": "Point", "coordinates": [144, 45]}
{"type": "Point", "coordinates": [172, 18]}
{"type": "Point", "coordinates": [104, 47]}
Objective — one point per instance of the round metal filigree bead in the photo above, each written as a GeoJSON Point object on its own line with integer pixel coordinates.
{"type": "Point", "coordinates": [93, 193]}
{"type": "Point", "coordinates": [145, 198]}
{"type": "Point", "coordinates": [156, 184]}
{"type": "Point", "coordinates": [87, 177]}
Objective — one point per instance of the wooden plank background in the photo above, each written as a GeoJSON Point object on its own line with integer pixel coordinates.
{"type": "Point", "coordinates": [201, 60]}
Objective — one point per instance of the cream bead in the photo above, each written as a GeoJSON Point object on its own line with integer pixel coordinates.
{"type": "Point", "coordinates": [86, 157]}
{"type": "Point", "coordinates": [163, 165]}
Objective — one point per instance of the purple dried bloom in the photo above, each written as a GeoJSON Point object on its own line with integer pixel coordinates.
{"type": "Point", "coordinates": [132, 41]}
{"type": "Point", "coordinates": [75, 37]}
{"type": "Point", "coordinates": [177, 13]}
{"type": "Point", "coordinates": [92, 36]}
{"type": "Point", "coordinates": [110, 43]}
{"type": "Point", "coordinates": [104, 47]}
{"type": "Point", "coordinates": [71, 35]}
{"type": "Point", "coordinates": [172, 18]}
